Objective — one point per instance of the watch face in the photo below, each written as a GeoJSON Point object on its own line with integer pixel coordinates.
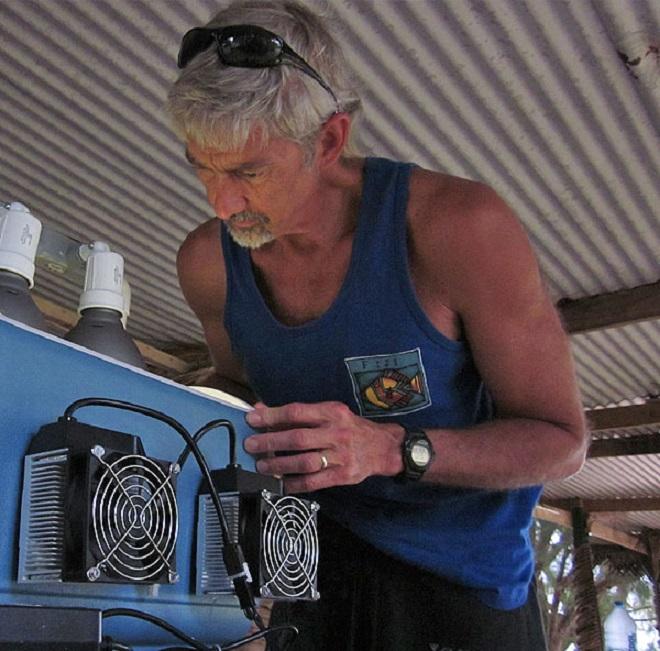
{"type": "Point", "coordinates": [420, 453]}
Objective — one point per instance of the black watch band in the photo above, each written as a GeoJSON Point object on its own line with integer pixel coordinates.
{"type": "Point", "coordinates": [417, 453]}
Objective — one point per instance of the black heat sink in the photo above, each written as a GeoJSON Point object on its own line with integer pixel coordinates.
{"type": "Point", "coordinates": [96, 508]}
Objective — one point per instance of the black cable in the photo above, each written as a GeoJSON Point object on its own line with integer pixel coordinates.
{"type": "Point", "coordinates": [250, 638]}
{"type": "Point", "coordinates": [108, 644]}
{"type": "Point", "coordinates": [157, 621]}
{"type": "Point", "coordinates": [261, 634]}
{"type": "Point", "coordinates": [232, 552]}
{"type": "Point", "coordinates": [197, 436]}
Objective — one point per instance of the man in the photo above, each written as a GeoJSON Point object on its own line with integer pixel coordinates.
{"type": "Point", "coordinates": [391, 321]}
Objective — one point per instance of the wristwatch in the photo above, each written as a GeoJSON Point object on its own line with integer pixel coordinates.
{"type": "Point", "coordinates": [417, 452]}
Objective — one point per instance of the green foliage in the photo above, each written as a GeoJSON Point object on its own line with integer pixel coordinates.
{"type": "Point", "coordinates": [554, 564]}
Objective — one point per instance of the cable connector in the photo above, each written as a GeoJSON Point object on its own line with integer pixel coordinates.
{"type": "Point", "coordinates": [239, 572]}
{"type": "Point", "coordinates": [237, 567]}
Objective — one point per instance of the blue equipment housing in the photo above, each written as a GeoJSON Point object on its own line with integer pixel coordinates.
{"type": "Point", "coordinates": [40, 376]}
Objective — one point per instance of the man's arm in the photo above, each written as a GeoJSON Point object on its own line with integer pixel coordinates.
{"type": "Point", "coordinates": [202, 279]}
{"type": "Point", "coordinates": [477, 260]}
{"type": "Point", "coordinates": [492, 281]}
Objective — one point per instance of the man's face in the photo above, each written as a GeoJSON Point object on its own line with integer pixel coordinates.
{"type": "Point", "coordinates": [256, 190]}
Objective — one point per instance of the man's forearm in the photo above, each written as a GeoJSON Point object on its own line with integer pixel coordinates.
{"type": "Point", "coordinates": [505, 453]}
{"type": "Point", "coordinates": [328, 445]}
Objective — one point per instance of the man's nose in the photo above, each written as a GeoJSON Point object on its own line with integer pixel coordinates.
{"type": "Point", "coordinates": [226, 198]}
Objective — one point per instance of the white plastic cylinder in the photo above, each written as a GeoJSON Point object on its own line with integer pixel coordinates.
{"type": "Point", "coordinates": [620, 630]}
{"type": "Point", "coordinates": [104, 279]}
{"type": "Point", "coordinates": [19, 237]}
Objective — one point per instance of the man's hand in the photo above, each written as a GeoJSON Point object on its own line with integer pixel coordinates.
{"type": "Point", "coordinates": [323, 444]}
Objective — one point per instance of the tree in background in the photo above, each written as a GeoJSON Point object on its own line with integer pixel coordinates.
{"type": "Point", "coordinates": [616, 577]}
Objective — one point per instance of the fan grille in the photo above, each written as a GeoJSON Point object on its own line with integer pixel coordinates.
{"type": "Point", "coordinates": [290, 547]}
{"type": "Point", "coordinates": [135, 519]}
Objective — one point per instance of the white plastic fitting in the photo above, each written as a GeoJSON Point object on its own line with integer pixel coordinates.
{"type": "Point", "coordinates": [104, 280]}
{"type": "Point", "coordinates": [20, 231]}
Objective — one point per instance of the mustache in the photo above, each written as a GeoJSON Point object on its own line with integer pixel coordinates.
{"type": "Point", "coordinates": [248, 215]}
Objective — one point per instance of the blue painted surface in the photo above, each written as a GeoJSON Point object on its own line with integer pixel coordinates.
{"type": "Point", "coordinates": [39, 378]}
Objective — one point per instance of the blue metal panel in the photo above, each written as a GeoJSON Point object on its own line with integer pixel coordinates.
{"type": "Point", "coordinates": [39, 377]}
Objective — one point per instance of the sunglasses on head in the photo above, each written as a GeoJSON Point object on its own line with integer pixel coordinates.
{"type": "Point", "coordinates": [246, 46]}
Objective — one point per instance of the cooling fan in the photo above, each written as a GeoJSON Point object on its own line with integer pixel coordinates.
{"type": "Point", "coordinates": [134, 518]}
{"type": "Point", "coordinates": [96, 508]}
{"type": "Point", "coordinates": [289, 547]}
{"type": "Point", "coordinates": [278, 534]}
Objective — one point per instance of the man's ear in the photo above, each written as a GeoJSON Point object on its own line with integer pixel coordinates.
{"type": "Point", "coordinates": [333, 138]}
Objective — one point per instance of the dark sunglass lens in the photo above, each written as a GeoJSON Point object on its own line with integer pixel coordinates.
{"type": "Point", "coordinates": [249, 47]}
{"type": "Point", "coordinates": [193, 43]}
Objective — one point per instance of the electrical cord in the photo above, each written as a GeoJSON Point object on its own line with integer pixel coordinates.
{"type": "Point", "coordinates": [108, 644]}
{"type": "Point", "coordinates": [236, 644]}
{"type": "Point", "coordinates": [237, 568]}
{"type": "Point", "coordinates": [161, 623]}
{"type": "Point", "coordinates": [211, 425]}
{"type": "Point", "coordinates": [260, 635]}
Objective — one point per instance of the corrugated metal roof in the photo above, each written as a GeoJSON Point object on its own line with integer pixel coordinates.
{"type": "Point", "coordinates": [626, 477]}
{"type": "Point", "coordinates": [530, 96]}
{"type": "Point", "coordinates": [618, 364]}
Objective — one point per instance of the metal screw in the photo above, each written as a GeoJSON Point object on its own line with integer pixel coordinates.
{"type": "Point", "coordinates": [314, 506]}
{"type": "Point", "coordinates": [265, 592]}
{"type": "Point", "coordinates": [175, 468]}
{"type": "Point", "coordinates": [93, 573]}
{"type": "Point", "coordinates": [98, 451]}
{"type": "Point", "coordinates": [173, 577]}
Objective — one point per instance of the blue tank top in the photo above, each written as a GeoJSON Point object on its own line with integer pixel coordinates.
{"type": "Point", "coordinates": [375, 350]}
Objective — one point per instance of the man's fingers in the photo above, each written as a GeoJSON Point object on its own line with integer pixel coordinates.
{"type": "Point", "coordinates": [314, 481]}
{"type": "Point", "coordinates": [295, 414]}
{"type": "Point", "coordinates": [290, 440]}
{"type": "Point", "coordinates": [297, 464]}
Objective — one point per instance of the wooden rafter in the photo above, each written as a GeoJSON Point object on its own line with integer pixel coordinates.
{"type": "Point", "coordinates": [620, 504]}
{"type": "Point", "coordinates": [598, 529]}
{"type": "Point", "coordinates": [611, 310]}
{"type": "Point", "coordinates": [624, 417]}
{"type": "Point", "coordinates": [624, 447]}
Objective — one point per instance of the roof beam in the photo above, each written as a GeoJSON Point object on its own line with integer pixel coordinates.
{"type": "Point", "coordinates": [611, 310]}
{"type": "Point", "coordinates": [597, 529]}
{"type": "Point", "coordinates": [623, 447]}
{"type": "Point", "coordinates": [611, 505]}
{"type": "Point", "coordinates": [624, 417]}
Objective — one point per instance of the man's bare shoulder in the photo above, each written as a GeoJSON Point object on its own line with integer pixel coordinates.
{"type": "Point", "coordinates": [463, 236]}
{"type": "Point", "coordinates": [442, 204]}
{"type": "Point", "coordinates": [202, 241]}
{"type": "Point", "coordinates": [200, 266]}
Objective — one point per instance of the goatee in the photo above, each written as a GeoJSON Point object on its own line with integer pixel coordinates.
{"type": "Point", "coordinates": [251, 237]}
